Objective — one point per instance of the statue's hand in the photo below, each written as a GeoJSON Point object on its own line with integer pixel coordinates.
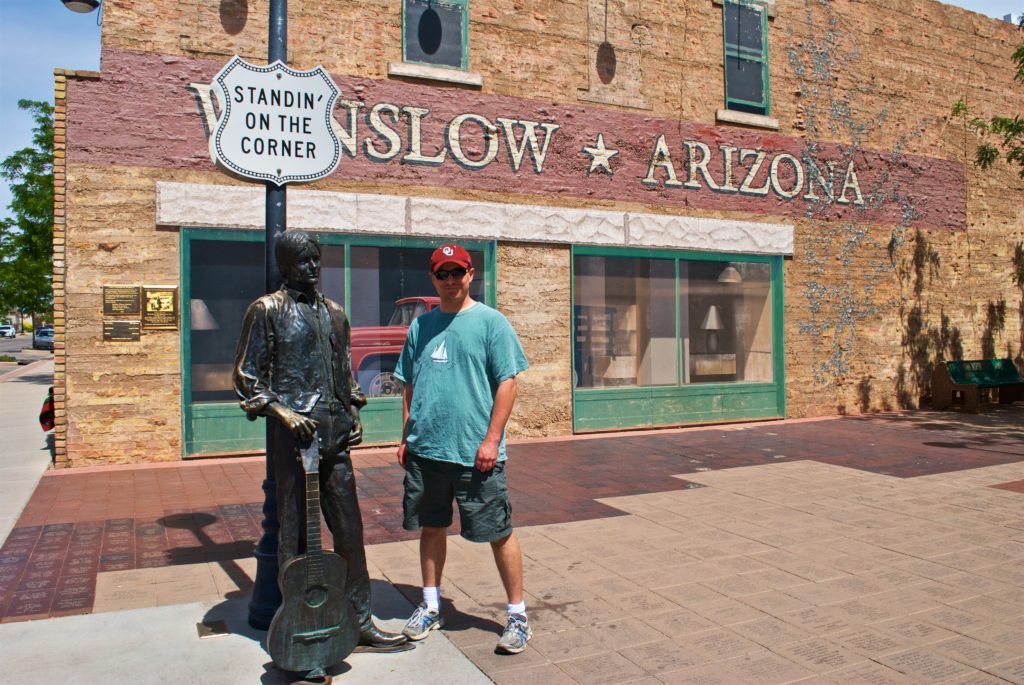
{"type": "Point", "coordinates": [302, 427]}
{"type": "Point", "coordinates": [355, 436]}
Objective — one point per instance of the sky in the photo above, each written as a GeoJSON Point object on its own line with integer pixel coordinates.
{"type": "Point", "coordinates": [37, 36]}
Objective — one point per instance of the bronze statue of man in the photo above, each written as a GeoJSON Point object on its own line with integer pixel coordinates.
{"type": "Point", "coordinates": [293, 365]}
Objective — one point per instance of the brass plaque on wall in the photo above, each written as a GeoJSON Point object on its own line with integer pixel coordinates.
{"type": "Point", "coordinates": [121, 331]}
{"type": "Point", "coordinates": [121, 300]}
{"type": "Point", "coordinates": [160, 310]}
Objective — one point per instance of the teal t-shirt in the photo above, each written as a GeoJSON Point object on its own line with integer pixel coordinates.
{"type": "Point", "coordinates": [455, 363]}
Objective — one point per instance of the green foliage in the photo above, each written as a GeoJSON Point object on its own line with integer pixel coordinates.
{"type": "Point", "coordinates": [1018, 56]}
{"type": "Point", "coordinates": [998, 133]}
{"type": "Point", "coordinates": [26, 237]}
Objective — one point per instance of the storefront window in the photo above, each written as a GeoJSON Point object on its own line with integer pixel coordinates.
{"type": "Point", "coordinates": [383, 284]}
{"type": "Point", "coordinates": [628, 333]}
{"type": "Point", "coordinates": [390, 288]}
{"type": "Point", "coordinates": [225, 277]}
{"type": "Point", "coordinates": [727, 317]}
{"type": "Point", "coordinates": [625, 327]}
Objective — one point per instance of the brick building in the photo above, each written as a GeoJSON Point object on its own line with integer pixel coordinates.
{"type": "Point", "coordinates": [691, 212]}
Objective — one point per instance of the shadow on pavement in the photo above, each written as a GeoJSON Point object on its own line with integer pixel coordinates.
{"type": "Point", "coordinates": [996, 426]}
{"type": "Point", "coordinates": [33, 376]}
{"type": "Point", "coordinates": [455, 620]}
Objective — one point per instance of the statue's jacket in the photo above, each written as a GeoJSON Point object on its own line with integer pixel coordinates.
{"type": "Point", "coordinates": [282, 355]}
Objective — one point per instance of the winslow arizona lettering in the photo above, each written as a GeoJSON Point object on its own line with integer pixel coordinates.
{"type": "Point", "coordinates": [385, 132]}
{"type": "Point", "coordinates": [741, 170]}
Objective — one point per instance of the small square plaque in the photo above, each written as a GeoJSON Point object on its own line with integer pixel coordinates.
{"type": "Point", "coordinates": [160, 311]}
{"type": "Point", "coordinates": [121, 300]}
{"type": "Point", "coordinates": [121, 331]}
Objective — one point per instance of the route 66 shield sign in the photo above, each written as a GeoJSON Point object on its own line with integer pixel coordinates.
{"type": "Point", "coordinates": [275, 122]}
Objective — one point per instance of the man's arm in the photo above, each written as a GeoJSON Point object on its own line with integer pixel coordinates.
{"type": "Point", "coordinates": [253, 358]}
{"type": "Point", "coordinates": [252, 374]}
{"type": "Point", "coordinates": [504, 399]}
{"type": "Point", "coordinates": [406, 403]}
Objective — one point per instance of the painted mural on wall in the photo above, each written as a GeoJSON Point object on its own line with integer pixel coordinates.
{"type": "Point", "coordinates": [721, 168]}
{"type": "Point", "coordinates": [848, 262]}
{"type": "Point", "coordinates": [400, 134]}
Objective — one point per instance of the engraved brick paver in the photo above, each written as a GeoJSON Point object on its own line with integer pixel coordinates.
{"type": "Point", "coordinates": [925, 664]}
{"type": "Point", "coordinates": [1012, 670]}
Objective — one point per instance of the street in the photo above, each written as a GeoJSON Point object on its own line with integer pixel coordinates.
{"type": "Point", "coordinates": [21, 349]}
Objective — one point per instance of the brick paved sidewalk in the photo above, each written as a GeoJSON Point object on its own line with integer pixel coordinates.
{"type": "Point", "coordinates": [882, 548]}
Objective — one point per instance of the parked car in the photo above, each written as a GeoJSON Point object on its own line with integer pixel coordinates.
{"type": "Point", "coordinates": [7, 331]}
{"type": "Point", "coordinates": [375, 349]}
{"type": "Point", "coordinates": [43, 339]}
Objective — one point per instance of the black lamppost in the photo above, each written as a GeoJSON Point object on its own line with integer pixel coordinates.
{"type": "Point", "coordinates": [266, 595]}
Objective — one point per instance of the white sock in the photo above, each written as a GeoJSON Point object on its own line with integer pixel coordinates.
{"type": "Point", "coordinates": [517, 608]}
{"type": "Point", "coordinates": [432, 598]}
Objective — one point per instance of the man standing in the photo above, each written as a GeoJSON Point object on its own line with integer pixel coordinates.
{"type": "Point", "coordinates": [294, 366]}
{"type": "Point", "coordinates": [459, 366]}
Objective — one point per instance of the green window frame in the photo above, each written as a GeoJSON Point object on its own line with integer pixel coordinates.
{"type": "Point", "coordinates": [423, 26]}
{"type": "Point", "coordinates": [745, 41]}
{"type": "Point", "coordinates": [680, 400]}
{"type": "Point", "coordinates": [220, 427]}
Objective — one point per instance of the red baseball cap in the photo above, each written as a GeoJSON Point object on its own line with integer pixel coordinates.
{"type": "Point", "coordinates": [450, 253]}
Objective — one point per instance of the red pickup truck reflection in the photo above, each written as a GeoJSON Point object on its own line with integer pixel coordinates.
{"type": "Point", "coordinates": [375, 349]}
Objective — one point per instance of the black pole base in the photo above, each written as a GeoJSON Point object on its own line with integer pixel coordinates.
{"type": "Point", "coordinates": [266, 595]}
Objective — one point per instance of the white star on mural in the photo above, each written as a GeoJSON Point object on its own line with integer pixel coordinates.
{"type": "Point", "coordinates": [600, 156]}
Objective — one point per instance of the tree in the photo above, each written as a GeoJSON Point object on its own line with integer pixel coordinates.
{"type": "Point", "coordinates": [26, 237]}
{"type": "Point", "coordinates": [1009, 128]}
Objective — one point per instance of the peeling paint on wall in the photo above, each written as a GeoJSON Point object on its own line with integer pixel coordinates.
{"type": "Point", "coordinates": [846, 259]}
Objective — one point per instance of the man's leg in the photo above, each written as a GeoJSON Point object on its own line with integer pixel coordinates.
{"type": "Point", "coordinates": [493, 522]}
{"type": "Point", "coordinates": [427, 506]}
{"type": "Point", "coordinates": [433, 552]}
{"type": "Point", "coordinates": [509, 558]}
{"type": "Point", "coordinates": [340, 505]}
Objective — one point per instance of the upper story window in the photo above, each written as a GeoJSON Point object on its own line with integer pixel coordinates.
{"type": "Point", "coordinates": [436, 32]}
{"type": "Point", "coordinates": [435, 42]}
{"type": "Point", "coordinates": [745, 34]}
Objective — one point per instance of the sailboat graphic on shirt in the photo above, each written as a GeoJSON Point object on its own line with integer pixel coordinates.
{"type": "Point", "coordinates": [440, 355]}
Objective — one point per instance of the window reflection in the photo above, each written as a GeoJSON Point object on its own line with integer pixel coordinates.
{"type": "Point", "coordinates": [729, 322]}
{"type": "Point", "coordinates": [226, 276]}
{"type": "Point", "coordinates": [625, 329]}
{"type": "Point", "coordinates": [390, 288]}
{"type": "Point", "coordinates": [746, 57]}
{"type": "Point", "coordinates": [625, 322]}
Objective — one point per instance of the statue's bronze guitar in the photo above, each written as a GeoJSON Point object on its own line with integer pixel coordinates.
{"type": "Point", "coordinates": [315, 626]}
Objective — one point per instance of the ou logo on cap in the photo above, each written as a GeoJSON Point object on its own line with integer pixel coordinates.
{"type": "Point", "coordinates": [448, 251]}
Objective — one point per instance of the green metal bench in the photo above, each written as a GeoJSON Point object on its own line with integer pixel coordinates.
{"type": "Point", "coordinates": [969, 378]}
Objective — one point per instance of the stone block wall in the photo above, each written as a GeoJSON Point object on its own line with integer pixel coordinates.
{"type": "Point", "coordinates": [533, 292]}
{"type": "Point", "coordinates": [870, 305]}
{"type": "Point", "coordinates": [126, 397]}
